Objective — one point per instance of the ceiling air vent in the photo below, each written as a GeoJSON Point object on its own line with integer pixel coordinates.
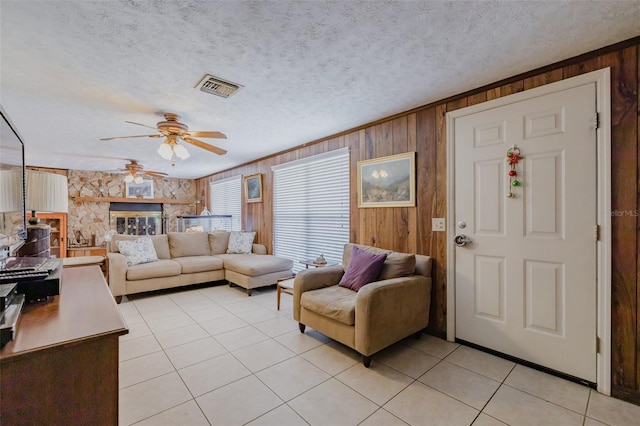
{"type": "Point", "coordinates": [217, 86]}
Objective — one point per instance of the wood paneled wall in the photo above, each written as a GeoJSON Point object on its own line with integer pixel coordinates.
{"type": "Point", "coordinates": [409, 229]}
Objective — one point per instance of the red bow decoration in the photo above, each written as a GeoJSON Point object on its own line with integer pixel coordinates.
{"type": "Point", "coordinates": [513, 156]}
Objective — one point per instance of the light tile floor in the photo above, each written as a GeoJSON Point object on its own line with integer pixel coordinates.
{"type": "Point", "coordinates": [213, 356]}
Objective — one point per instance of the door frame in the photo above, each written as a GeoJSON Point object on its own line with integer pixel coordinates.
{"type": "Point", "coordinates": [602, 79]}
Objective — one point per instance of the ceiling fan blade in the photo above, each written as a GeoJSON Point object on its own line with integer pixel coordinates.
{"type": "Point", "coordinates": [140, 124]}
{"type": "Point", "coordinates": [203, 145]}
{"type": "Point", "coordinates": [129, 137]}
{"type": "Point", "coordinates": [157, 174]}
{"type": "Point", "coordinates": [214, 135]}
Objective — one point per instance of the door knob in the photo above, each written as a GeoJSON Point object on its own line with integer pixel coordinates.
{"type": "Point", "coordinates": [461, 240]}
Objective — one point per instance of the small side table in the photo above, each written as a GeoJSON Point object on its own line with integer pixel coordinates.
{"type": "Point", "coordinates": [308, 263]}
{"type": "Point", "coordinates": [284, 285]}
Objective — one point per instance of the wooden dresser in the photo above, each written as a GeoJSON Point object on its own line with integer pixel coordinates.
{"type": "Point", "coordinates": [62, 366]}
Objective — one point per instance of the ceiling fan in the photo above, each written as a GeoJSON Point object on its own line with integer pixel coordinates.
{"type": "Point", "coordinates": [172, 129]}
{"type": "Point", "coordinates": [135, 172]}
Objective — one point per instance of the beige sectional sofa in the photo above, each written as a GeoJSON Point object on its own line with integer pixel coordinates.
{"type": "Point", "coordinates": [192, 258]}
{"type": "Point", "coordinates": [378, 314]}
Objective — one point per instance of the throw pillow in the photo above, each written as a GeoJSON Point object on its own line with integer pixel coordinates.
{"type": "Point", "coordinates": [218, 241]}
{"type": "Point", "coordinates": [240, 242]}
{"type": "Point", "coordinates": [363, 269]}
{"type": "Point", "coordinates": [138, 251]}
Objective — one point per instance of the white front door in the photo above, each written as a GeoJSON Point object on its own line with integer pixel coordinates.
{"type": "Point", "coordinates": [526, 284]}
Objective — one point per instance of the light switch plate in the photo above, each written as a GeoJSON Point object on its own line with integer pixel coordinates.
{"type": "Point", "coordinates": [437, 224]}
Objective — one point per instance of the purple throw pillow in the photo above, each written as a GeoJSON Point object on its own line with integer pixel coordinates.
{"type": "Point", "coordinates": [363, 269]}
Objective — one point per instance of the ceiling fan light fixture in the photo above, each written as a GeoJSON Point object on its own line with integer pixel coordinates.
{"type": "Point", "coordinates": [128, 178]}
{"type": "Point", "coordinates": [165, 151]}
{"type": "Point", "coordinates": [138, 180]}
{"type": "Point", "coordinates": [181, 152]}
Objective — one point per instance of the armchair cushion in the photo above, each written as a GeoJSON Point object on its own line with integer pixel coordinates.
{"type": "Point", "coordinates": [398, 265]}
{"type": "Point", "coordinates": [363, 268]}
{"type": "Point", "coordinates": [334, 302]}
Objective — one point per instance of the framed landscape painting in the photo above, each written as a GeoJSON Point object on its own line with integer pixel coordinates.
{"type": "Point", "coordinates": [387, 181]}
{"type": "Point", "coordinates": [253, 188]}
{"type": "Point", "coordinates": [139, 190]}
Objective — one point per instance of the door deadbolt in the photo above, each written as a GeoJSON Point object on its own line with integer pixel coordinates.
{"type": "Point", "coordinates": [461, 240]}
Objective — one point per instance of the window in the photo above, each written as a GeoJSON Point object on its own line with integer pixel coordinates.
{"type": "Point", "coordinates": [226, 198]}
{"type": "Point", "coordinates": [311, 207]}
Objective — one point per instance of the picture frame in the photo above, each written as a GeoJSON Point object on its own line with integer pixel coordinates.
{"type": "Point", "coordinates": [139, 190]}
{"type": "Point", "coordinates": [387, 181]}
{"type": "Point", "coordinates": [253, 188]}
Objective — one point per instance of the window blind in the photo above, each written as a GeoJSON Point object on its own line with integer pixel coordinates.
{"type": "Point", "coordinates": [311, 207]}
{"type": "Point", "coordinates": [226, 198]}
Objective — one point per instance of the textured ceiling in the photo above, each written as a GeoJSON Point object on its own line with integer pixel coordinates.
{"type": "Point", "coordinates": [72, 72]}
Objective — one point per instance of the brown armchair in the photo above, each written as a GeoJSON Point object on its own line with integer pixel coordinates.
{"type": "Point", "coordinates": [378, 315]}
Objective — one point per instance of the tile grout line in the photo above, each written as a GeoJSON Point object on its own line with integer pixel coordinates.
{"type": "Point", "coordinates": [194, 398]}
{"type": "Point", "coordinates": [494, 394]}
{"type": "Point", "coordinates": [334, 376]}
{"type": "Point", "coordinates": [188, 312]}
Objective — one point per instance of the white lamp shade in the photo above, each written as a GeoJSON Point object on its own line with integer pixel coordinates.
{"type": "Point", "coordinates": [47, 192]}
{"type": "Point", "coordinates": [10, 190]}
{"type": "Point", "coordinates": [181, 151]}
{"type": "Point", "coordinates": [138, 180]}
{"type": "Point", "coordinates": [128, 178]}
{"type": "Point", "coordinates": [165, 151]}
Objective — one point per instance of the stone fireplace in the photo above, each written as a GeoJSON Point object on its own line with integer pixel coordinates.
{"type": "Point", "coordinates": [136, 218]}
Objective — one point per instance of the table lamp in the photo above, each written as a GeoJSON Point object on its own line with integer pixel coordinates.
{"type": "Point", "coordinates": [11, 205]}
{"type": "Point", "coordinates": [10, 191]}
{"type": "Point", "coordinates": [46, 192]}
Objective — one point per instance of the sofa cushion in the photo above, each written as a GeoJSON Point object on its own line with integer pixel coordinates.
{"type": "Point", "coordinates": [363, 269]}
{"type": "Point", "coordinates": [138, 251]}
{"type": "Point", "coordinates": [192, 264]}
{"type": "Point", "coordinates": [160, 243]}
{"type": "Point", "coordinates": [398, 265]}
{"type": "Point", "coordinates": [334, 302]}
{"type": "Point", "coordinates": [254, 265]}
{"type": "Point", "coordinates": [240, 242]}
{"type": "Point", "coordinates": [218, 242]}
{"type": "Point", "coordinates": [160, 269]}
{"type": "Point", "coordinates": [183, 244]}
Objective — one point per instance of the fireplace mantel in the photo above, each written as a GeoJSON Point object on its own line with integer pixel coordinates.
{"type": "Point", "coordinates": [132, 200]}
